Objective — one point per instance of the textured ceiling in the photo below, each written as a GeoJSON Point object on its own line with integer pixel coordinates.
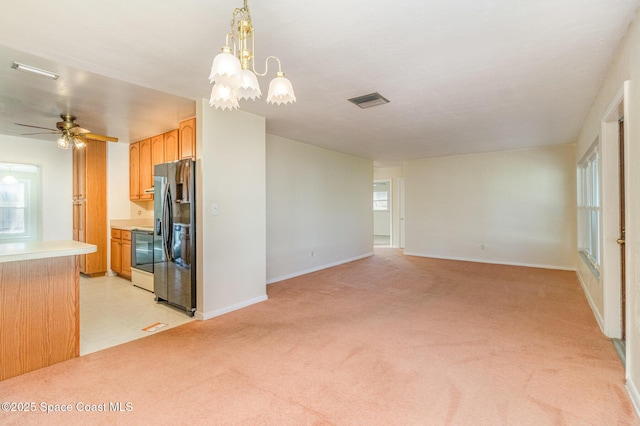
{"type": "Point", "coordinates": [462, 76]}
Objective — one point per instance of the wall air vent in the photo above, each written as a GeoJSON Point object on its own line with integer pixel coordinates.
{"type": "Point", "coordinates": [370, 100]}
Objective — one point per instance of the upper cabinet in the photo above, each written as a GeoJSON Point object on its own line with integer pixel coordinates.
{"type": "Point", "coordinates": [140, 170]}
{"type": "Point", "coordinates": [188, 138]}
{"type": "Point", "coordinates": [145, 154]}
{"type": "Point", "coordinates": [171, 146]}
{"type": "Point", "coordinates": [157, 150]}
{"type": "Point", "coordinates": [134, 171]}
{"type": "Point", "coordinates": [146, 170]}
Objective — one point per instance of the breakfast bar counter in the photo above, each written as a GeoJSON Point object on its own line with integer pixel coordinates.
{"type": "Point", "coordinates": [39, 304]}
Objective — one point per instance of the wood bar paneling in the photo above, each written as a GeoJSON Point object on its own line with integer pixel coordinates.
{"type": "Point", "coordinates": [39, 314]}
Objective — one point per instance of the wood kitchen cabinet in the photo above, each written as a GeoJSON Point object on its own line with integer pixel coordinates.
{"type": "Point", "coordinates": [126, 254]}
{"type": "Point", "coordinates": [90, 204]}
{"type": "Point", "coordinates": [157, 151]}
{"type": "Point", "coordinates": [134, 171]}
{"type": "Point", "coordinates": [121, 252]}
{"type": "Point", "coordinates": [187, 131]}
{"type": "Point", "coordinates": [116, 251]}
{"type": "Point", "coordinates": [171, 146]}
{"type": "Point", "coordinates": [145, 154]}
{"type": "Point", "coordinates": [146, 170]}
{"type": "Point", "coordinates": [140, 170]}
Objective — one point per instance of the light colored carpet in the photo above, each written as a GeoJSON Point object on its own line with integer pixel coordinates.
{"type": "Point", "coordinates": [387, 340]}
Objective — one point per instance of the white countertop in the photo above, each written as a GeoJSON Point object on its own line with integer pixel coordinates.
{"type": "Point", "coordinates": [11, 252]}
{"type": "Point", "coordinates": [133, 228]}
{"type": "Point", "coordinates": [131, 224]}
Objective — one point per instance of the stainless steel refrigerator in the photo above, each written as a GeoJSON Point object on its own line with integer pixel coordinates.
{"type": "Point", "coordinates": [174, 271]}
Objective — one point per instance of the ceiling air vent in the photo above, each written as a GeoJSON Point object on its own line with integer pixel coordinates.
{"type": "Point", "coordinates": [370, 100]}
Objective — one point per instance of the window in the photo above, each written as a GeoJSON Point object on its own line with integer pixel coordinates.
{"type": "Point", "coordinates": [381, 197]}
{"type": "Point", "coordinates": [589, 212]}
{"type": "Point", "coordinates": [19, 202]}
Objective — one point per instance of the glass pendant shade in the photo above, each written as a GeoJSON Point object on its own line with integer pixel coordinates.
{"type": "Point", "coordinates": [223, 96]}
{"type": "Point", "coordinates": [249, 87]}
{"type": "Point", "coordinates": [63, 142]}
{"type": "Point", "coordinates": [79, 143]}
{"type": "Point", "coordinates": [280, 90]}
{"type": "Point", "coordinates": [226, 69]}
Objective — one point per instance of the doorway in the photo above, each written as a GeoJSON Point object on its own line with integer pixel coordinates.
{"type": "Point", "coordinates": [382, 208]}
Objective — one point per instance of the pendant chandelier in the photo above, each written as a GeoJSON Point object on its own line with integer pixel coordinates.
{"type": "Point", "coordinates": [233, 71]}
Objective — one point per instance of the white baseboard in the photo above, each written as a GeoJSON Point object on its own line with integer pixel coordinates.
{"type": "Point", "coordinates": [632, 390]}
{"type": "Point", "coordinates": [493, 262]}
{"type": "Point", "coordinates": [592, 305]}
{"type": "Point", "coordinates": [318, 268]}
{"type": "Point", "coordinates": [208, 315]}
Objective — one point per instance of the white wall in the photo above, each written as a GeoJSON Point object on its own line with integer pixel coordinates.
{"type": "Point", "coordinates": [626, 66]}
{"type": "Point", "coordinates": [319, 208]}
{"type": "Point", "coordinates": [231, 245]}
{"type": "Point", "coordinates": [56, 174]}
{"type": "Point", "coordinates": [118, 204]}
{"type": "Point", "coordinates": [512, 207]}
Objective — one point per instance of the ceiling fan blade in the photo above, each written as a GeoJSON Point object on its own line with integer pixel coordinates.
{"type": "Point", "coordinates": [36, 127]}
{"type": "Point", "coordinates": [77, 130]}
{"type": "Point", "coordinates": [98, 137]}
{"type": "Point", "coordinates": [39, 133]}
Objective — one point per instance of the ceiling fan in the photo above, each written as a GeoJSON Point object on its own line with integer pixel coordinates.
{"type": "Point", "coordinates": [70, 133]}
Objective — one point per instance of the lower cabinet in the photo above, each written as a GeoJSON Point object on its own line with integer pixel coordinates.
{"type": "Point", "coordinates": [126, 254]}
{"type": "Point", "coordinates": [121, 252]}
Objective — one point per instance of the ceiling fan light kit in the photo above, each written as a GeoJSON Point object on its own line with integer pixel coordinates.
{"type": "Point", "coordinates": [65, 141]}
{"type": "Point", "coordinates": [233, 71]}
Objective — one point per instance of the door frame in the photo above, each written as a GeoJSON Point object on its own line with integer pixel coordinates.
{"type": "Point", "coordinates": [611, 253]}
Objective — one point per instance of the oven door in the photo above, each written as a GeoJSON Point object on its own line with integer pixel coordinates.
{"type": "Point", "coordinates": [142, 250]}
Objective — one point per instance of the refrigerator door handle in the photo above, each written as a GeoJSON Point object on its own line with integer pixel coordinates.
{"type": "Point", "coordinates": [167, 223]}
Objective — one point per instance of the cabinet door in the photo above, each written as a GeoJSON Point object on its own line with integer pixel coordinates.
{"type": "Point", "coordinates": [146, 175]}
{"type": "Point", "coordinates": [126, 258]}
{"type": "Point", "coordinates": [79, 173]}
{"type": "Point", "coordinates": [157, 151]}
{"type": "Point", "coordinates": [171, 146]}
{"type": "Point", "coordinates": [188, 138]}
{"type": "Point", "coordinates": [78, 221]}
{"type": "Point", "coordinates": [116, 256]}
{"type": "Point", "coordinates": [134, 171]}
{"type": "Point", "coordinates": [79, 230]}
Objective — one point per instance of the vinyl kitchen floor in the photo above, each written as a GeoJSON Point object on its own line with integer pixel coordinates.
{"type": "Point", "coordinates": [113, 311]}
